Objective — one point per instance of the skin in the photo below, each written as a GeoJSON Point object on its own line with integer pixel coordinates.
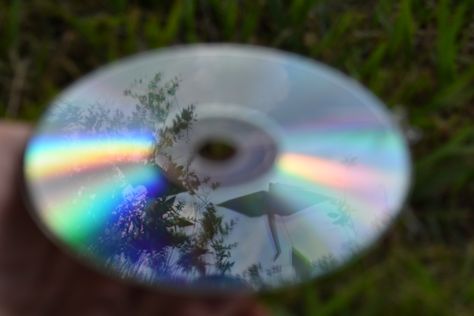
{"type": "Point", "coordinates": [36, 278]}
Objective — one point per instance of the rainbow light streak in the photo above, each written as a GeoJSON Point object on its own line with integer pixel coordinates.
{"type": "Point", "coordinates": [358, 141]}
{"type": "Point", "coordinates": [49, 156]}
{"type": "Point", "coordinates": [354, 137]}
{"type": "Point", "coordinates": [331, 173]}
{"type": "Point", "coordinates": [343, 122]}
{"type": "Point", "coordinates": [334, 178]}
{"type": "Point", "coordinates": [76, 218]}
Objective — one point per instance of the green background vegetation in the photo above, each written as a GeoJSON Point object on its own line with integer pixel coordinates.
{"type": "Point", "coordinates": [415, 55]}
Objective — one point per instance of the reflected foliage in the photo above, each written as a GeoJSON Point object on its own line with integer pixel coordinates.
{"type": "Point", "coordinates": [154, 234]}
{"type": "Point", "coordinates": [169, 231]}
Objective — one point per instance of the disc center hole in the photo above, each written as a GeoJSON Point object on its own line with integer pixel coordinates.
{"type": "Point", "coordinates": [217, 150]}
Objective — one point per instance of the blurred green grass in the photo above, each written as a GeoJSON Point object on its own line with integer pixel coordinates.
{"type": "Point", "coordinates": [415, 55]}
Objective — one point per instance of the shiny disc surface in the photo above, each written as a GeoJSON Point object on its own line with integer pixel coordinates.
{"type": "Point", "coordinates": [215, 168]}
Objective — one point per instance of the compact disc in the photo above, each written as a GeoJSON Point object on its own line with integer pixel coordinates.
{"type": "Point", "coordinates": [216, 168]}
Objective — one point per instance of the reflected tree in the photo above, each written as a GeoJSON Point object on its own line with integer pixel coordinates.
{"type": "Point", "coordinates": [172, 231]}
{"type": "Point", "coordinates": [150, 233]}
{"type": "Point", "coordinates": [325, 264]}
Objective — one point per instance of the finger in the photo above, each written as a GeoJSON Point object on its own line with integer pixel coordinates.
{"type": "Point", "coordinates": [13, 137]}
{"type": "Point", "coordinates": [230, 306]}
{"type": "Point", "coordinates": [178, 305]}
{"type": "Point", "coordinates": [36, 278]}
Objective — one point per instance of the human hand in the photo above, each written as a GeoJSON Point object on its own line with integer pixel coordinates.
{"type": "Point", "coordinates": [36, 278]}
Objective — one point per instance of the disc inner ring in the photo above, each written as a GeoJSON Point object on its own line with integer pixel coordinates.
{"type": "Point", "coordinates": [227, 150]}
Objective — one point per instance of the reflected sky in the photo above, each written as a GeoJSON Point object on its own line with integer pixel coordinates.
{"type": "Point", "coordinates": [115, 175]}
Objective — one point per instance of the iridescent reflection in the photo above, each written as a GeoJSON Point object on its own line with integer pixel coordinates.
{"type": "Point", "coordinates": [307, 171]}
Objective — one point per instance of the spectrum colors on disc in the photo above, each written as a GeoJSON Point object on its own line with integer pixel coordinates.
{"type": "Point", "coordinates": [216, 168]}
